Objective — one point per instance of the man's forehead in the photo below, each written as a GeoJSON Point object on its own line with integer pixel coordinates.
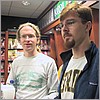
{"type": "Point", "coordinates": [72, 13]}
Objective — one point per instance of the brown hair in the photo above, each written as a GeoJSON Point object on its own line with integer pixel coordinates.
{"type": "Point", "coordinates": [84, 12]}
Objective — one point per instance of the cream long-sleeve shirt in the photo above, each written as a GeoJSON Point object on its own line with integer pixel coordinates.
{"type": "Point", "coordinates": [34, 77]}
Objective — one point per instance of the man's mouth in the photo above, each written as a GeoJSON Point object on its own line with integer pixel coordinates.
{"type": "Point", "coordinates": [67, 35]}
{"type": "Point", "coordinates": [27, 44]}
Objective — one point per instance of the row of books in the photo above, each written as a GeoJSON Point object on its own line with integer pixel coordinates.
{"type": "Point", "coordinates": [44, 45]}
{"type": "Point", "coordinates": [12, 54]}
{"type": "Point", "coordinates": [2, 79]}
{"type": "Point", "coordinates": [2, 42]}
{"type": "Point", "coordinates": [13, 44]}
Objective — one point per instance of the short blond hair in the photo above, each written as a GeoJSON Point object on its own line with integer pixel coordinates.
{"type": "Point", "coordinates": [37, 32]}
{"type": "Point", "coordinates": [36, 28]}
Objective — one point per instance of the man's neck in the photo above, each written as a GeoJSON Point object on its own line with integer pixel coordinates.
{"type": "Point", "coordinates": [30, 54]}
{"type": "Point", "coordinates": [80, 50]}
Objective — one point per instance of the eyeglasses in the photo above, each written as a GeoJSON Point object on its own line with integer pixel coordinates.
{"type": "Point", "coordinates": [27, 36]}
{"type": "Point", "coordinates": [69, 23]}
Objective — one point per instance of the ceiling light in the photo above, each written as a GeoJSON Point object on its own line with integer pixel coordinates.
{"type": "Point", "coordinates": [79, 2]}
{"type": "Point", "coordinates": [88, 3]}
{"type": "Point", "coordinates": [25, 3]}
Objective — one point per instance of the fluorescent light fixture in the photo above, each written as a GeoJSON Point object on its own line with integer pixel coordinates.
{"type": "Point", "coordinates": [25, 3]}
{"type": "Point", "coordinates": [79, 2]}
{"type": "Point", "coordinates": [88, 3]}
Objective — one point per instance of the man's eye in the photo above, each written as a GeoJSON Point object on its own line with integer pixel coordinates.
{"type": "Point", "coordinates": [23, 36]}
{"type": "Point", "coordinates": [70, 22]}
{"type": "Point", "coordinates": [31, 36]}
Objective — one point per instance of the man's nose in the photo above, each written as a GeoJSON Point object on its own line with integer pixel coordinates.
{"type": "Point", "coordinates": [65, 28]}
{"type": "Point", "coordinates": [27, 37]}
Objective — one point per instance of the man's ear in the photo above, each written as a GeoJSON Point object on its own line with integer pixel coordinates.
{"type": "Point", "coordinates": [88, 25]}
{"type": "Point", "coordinates": [19, 42]}
{"type": "Point", "coordinates": [38, 40]}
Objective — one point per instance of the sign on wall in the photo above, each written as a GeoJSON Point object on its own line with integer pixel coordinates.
{"type": "Point", "coordinates": [58, 8]}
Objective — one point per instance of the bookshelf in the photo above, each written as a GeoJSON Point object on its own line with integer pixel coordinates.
{"type": "Point", "coordinates": [45, 44]}
{"type": "Point", "coordinates": [2, 57]}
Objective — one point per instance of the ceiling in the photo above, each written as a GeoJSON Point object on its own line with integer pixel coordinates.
{"type": "Point", "coordinates": [34, 10]}
{"type": "Point", "coordinates": [96, 5]}
{"type": "Point", "coordinates": [16, 8]}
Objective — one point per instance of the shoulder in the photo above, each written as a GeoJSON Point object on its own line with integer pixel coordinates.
{"type": "Point", "coordinates": [46, 60]}
{"type": "Point", "coordinates": [19, 58]}
{"type": "Point", "coordinates": [45, 57]}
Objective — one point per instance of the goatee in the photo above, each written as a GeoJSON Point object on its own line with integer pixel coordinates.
{"type": "Point", "coordinates": [69, 44]}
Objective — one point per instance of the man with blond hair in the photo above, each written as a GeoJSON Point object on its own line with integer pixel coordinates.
{"type": "Point", "coordinates": [34, 75]}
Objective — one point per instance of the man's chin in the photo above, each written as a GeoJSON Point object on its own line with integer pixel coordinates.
{"type": "Point", "coordinates": [69, 45]}
{"type": "Point", "coordinates": [28, 50]}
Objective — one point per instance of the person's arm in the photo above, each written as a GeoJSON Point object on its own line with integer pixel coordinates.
{"type": "Point", "coordinates": [11, 78]}
{"type": "Point", "coordinates": [59, 71]}
{"type": "Point", "coordinates": [52, 82]}
{"type": "Point", "coordinates": [11, 75]}
{"type": "Point", "coordinates": [97, 93]}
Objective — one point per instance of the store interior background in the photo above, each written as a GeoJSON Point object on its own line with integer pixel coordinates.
{"type": "Point", "coordinates": [39, 12]}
